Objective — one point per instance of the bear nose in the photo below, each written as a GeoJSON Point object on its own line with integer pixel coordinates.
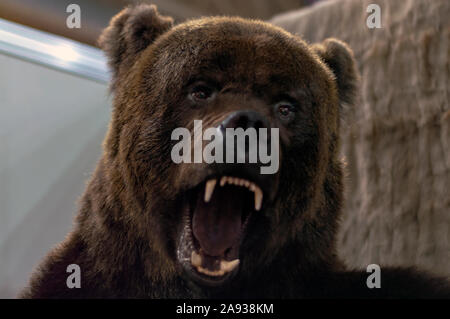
{"type": "Point", "coordinates": [245, 119]}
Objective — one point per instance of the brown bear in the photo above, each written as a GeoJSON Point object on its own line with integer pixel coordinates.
{"type": "Point", "coordinates": [148, 227]}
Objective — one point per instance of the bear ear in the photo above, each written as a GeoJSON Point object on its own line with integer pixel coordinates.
{"type": "Point", "coordinates": [339, 59]}
{"type": "Point", "coordinates": [131, 31]}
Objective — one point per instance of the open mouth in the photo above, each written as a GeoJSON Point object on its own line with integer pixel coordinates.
{"type": "Point", "coordinates": [216, 215]}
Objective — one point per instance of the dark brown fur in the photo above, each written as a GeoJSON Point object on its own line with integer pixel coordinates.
{"type": "Point", "coordinates": [125, 235]}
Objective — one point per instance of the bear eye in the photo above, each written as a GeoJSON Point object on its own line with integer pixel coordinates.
{"type": "Point", "coordinates": [285, 111]}
{"type": "Point", "coordinates": [202, 92]}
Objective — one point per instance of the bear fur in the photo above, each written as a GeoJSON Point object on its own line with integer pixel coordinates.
{"type": "Point", "coordinates": [127, 232]}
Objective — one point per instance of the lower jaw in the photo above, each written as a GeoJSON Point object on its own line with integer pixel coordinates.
{"type": "Point", "coordinates": [208, 281]}
{"type": "Point", "coordinates": [185, 247]}
{"type": "Point", "coordinates": [193, 275]}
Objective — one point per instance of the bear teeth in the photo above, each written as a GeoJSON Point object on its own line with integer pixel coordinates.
{"type": "Point", "coordinates": [196, 259]}
{"type": "Point", "coordinates": [209, 189]}
{"type": "Point", "coordinates": [258, 194]}
{"type": "Point", "coordinates": [225, 266]}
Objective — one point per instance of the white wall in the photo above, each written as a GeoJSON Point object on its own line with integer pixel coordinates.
{"type": "Point", "coordinates": [51, 128]}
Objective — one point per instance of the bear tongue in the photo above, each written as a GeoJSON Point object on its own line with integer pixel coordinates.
{"type": "Point", "coordinates": [217, 224]}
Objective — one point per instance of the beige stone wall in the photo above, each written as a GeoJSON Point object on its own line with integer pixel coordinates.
{"type": "Point", "coordinates": [396, 141]}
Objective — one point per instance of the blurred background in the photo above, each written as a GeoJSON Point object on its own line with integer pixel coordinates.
{"type": "Point", "coordinates": [50, 15]}
{"type": "Point", "coordinates": [55, 106]}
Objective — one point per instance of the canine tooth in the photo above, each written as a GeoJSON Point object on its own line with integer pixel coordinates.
{"type": "Point", "coordinates": [223, 180]}
{"type": "Point", "coordinates": [247, 184]}
{"type": "Point", "coordinates": [196, 259]}
{"type": "Point", "coordinates": [209, 189]}
{"type": "Point", "coordinates": [227, 266]}
{"type": "Point", "coordinates": [258, 198]}
{"type": "Point", "coordinates": [252, 187]}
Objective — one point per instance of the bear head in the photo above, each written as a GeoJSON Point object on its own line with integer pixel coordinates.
{"type": "Point", "coordinates": [215, 224]}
